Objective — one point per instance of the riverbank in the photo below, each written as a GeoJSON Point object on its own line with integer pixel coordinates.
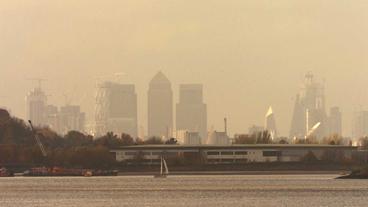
{"type": "Point", "coordinates": [290, 172]}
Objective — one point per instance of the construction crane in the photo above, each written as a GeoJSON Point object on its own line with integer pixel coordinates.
{"type": "Point", "coordinates": [37, 138]}
{"type": "Point", "coordinates": [311, 131]}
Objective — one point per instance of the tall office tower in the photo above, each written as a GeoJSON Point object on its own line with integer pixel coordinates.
{"type": "Point", "coordinates": [36, 102]}
{"type": "Point", "coordinates": [360, 124]}
{"type": "Point", "coordinates": [270, 125]}
{"type": "Point", "coordinates": [160, 106]}
{"type": "Point", "coordinates": [191, 112]}
{"type": "Point", "coordinates": [52, 117]}
{"type": "Point", "coordinates": [116, 109]}
{"type": "Point", "coordinates": [71, 119]}
{"type": "Point", "coordinates": [335, 121]}
{"type": "Point", "coordinates": [309, 110]}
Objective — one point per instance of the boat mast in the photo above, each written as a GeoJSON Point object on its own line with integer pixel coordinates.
{"type": "Point", "coordinates": [166, 168]}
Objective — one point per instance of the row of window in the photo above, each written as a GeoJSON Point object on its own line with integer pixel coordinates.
{"type": "Point", "coordinates": [134, 153]}
{"type": "Point", "coordinates": [265, 153]}
{"type": "Point", "coordinates": [227, 153]}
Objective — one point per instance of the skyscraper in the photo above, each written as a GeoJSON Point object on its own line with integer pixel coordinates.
{"type": "Point", "coordinates": [270, 125]}
{"type": "Point", "coordinates": [160, 106]}
{"type": "Point", "coordinates": [309, 109]}
{"type": "Point", "coordinates": [335, 121]}
{"type": "Point", "coordinates": [36, 102]}
{"type": "Point", "coordinates": [116, 109]}
{"type": "Point", "coordinates": [71, 118]}
{"type": "Point", "coordinates": [360, 124]}
{"type": "Point", "coordinates": [191, 112]}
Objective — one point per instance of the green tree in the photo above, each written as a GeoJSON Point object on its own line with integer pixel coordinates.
{"type": "Point", "coordinates": [245, 139]}
{"type": "Point", "coordinates": [154, 141]}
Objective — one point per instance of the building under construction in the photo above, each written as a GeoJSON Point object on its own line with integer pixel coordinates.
{"type": "Point", "coordinates": [309, 110]}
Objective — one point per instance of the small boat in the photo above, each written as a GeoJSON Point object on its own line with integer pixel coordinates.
{"type": "Point", "coordinates": [5, 173]}
{"type": "Point", "coordinates": [163, 172]}
{"type": "Point", "coordinates": [88, 173]}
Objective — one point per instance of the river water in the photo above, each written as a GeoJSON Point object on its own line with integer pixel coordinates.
{"type": "Point", "coordinates": [247, 190]}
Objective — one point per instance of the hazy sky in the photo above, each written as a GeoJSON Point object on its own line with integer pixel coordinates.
{"type": "Point", "coordinates": [249, 54]}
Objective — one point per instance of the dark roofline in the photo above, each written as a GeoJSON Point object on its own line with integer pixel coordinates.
{"type": "Point", "coordinates": [246, 146]}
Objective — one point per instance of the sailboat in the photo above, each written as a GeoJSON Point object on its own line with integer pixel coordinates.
{"type": "Point", "coordinates": [164, 172]}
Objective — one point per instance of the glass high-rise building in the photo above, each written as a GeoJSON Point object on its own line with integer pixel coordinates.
{"type": "Point", "coordinates": [191, 112]}
{"type": "Point", "coordinates": [160, 107]}
{"type": "Point", "coordinates": [309, 110]}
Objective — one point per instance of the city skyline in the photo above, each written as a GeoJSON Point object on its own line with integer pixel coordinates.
{"type": "Point", "coordinates": [116, 110]}
{"type": "Point", "coordinates": [246, 60]}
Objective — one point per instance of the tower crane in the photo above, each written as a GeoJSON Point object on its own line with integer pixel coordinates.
{"type": "Point", "coordinates": [37, 138]}
{"type": "Point", "coordinates": [312, 130]}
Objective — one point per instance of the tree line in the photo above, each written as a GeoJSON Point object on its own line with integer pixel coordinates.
{"type": "Point", "coordinates": [75, 149]}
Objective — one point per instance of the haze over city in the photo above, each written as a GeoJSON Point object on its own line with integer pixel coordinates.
{"type": "Point", "coordinates": [248, 55]}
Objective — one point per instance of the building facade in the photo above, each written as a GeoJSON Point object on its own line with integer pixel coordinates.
{"type": "Point", "coordinates": [188, 138]}
{"type": "Point", "coordinates": [116, 109]}
{"type": "Point", "coordinates": [191, 112]}
{"type": "Point", "coordinates": [36, 102]}
{"type": "Point", "coordinates": [160, 107]}
{"type": "Point", "coordinates": [309, 110]}
{"type": "Point", "coordinates": [335, 121]}
{"type": "Point", "coordinates": [360, 124]}
{"type": "Point", "coordinates": [232, 154]}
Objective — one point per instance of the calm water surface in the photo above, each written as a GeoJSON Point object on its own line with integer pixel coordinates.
{"type": "Point", "coordinates": [275, 190]}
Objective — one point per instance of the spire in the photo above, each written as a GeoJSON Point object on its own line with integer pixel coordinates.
{"type": "Point", "coordinates": [160, 78]}
{"type": "Point", "coordinates": [269, 112]}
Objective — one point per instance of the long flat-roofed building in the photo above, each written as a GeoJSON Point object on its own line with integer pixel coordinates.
{"type": "Point", "coordinates": [213, 154]}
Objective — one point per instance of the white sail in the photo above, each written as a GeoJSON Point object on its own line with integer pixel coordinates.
{"type": "Point", "coordinates": [166, 168]}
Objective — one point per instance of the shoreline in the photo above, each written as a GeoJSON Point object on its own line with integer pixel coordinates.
{"type": "Point", "coordinates": [286, 172]}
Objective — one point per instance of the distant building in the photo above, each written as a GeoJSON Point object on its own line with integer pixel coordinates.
{"type": "Point", "coordinates": [68, 118]}
{"type": "Point", "coordinates": [71, 119]}
{"type": "Point", "coordinates": [218, 138]}
{"type": "Point", "coordinates": [335, 121]}
{"type": "Point", "coordinates": [230, 154]}
{"type": "Point", "coordinates": [116, 109]}
{"type": "Point", "coordinates": [255, 129]}
{"type": "Point", "coordinates": [309, 110]}
{"type": "Point", "coordinates": [52, 117]}
{"type": "Point", "coordinates": [36, 102]}
{"type": "Point", "coordinates": [360, 124]}
{"type": "Point", "coordinates": [270, 125]}
{"type": "Point", "coordinates": [188, 138]}
{"type": "Point", "coordinates": [160, 107]}
{"type": "Point", "coordinates": [191, 112]}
